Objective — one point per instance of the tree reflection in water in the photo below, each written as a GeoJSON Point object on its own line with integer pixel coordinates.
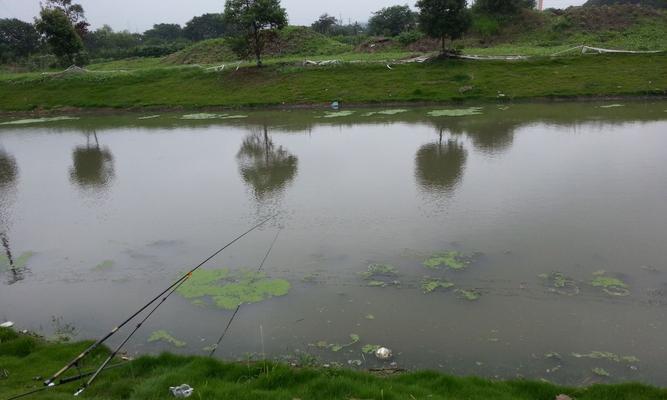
{"type": "Point", "coordinates": [439, 165]}
{"type": "Point", "coordinates": [93, 165]}
{"type": "Point", "coordinates": [265, 167]}
{"type": "Point", "coordinates": [8, 177]}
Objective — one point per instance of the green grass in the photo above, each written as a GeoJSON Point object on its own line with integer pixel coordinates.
{"type": "Point", "coordinates": [441, 81]}
{"type": "Point", "coordinates": [149, 377]}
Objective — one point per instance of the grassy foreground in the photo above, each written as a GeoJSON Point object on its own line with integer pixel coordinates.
{"type": "Point", "coordinates": [290, 84]}
{"type": "Point", "coordinates": [24, 361]}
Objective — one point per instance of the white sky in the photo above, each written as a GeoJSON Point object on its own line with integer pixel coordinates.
{"type": "Point", "coordinates": [139, 15]}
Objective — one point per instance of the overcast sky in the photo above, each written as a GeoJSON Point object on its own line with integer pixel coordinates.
{"type": "Point", "coordinates": [139, 15]}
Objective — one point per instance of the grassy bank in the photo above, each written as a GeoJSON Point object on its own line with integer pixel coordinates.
{"type": "Point", "coordinates": [439, 81]}
{"type": "Point", "coordinates": [23, 358]}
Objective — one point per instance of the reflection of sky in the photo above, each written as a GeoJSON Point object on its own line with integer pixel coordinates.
{"type": "Point", "coordinates": [148, 12]}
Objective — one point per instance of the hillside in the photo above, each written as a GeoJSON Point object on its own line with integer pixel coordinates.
{"type": "Point", "coordinates": [293, 40]}
{"type": "Point", "coordinates": [646, 3]}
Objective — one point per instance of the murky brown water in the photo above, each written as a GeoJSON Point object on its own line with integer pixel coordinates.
{"type": "Point", "coordinates": [524, 191]}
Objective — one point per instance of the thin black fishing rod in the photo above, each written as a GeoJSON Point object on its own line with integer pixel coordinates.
{"type": "Point", "coordinates": [95, 345]}
{"type": "Point", "coordinates": [127, 339]}
{"type": "Point", "coordinates": [238, 307]}
{"type": "Point", "coordinates": [64, 381]}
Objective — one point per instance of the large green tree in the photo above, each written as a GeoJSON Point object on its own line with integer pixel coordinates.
{"type": "Point", "coordinates": [207, 26]}
{"type": "Point", "coordinates": [444, 19]}
{"type": "Point", "coordinates": [164, 33]}
{"type": "Point", "coordinates": [325, 24]}
{"type": "Point", "coordinates": [74, 12]}
{"type": "Point", "coordinates": [251, 19]}
{"type": "Point", "coordinates": [392, 21]}
{"type": "Point", "coordinates": [503, 7]}
{"type": "Point", "coordinates": [60, 35]}
{"type": "Point", "coordinates": [18, 39]}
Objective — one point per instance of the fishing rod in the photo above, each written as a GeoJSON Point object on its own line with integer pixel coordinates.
{"type": "Point", "coordinates": [238, 307]}
{"type": "Point", "coordinates": [64, 381]}
{"type": "Point", "coordinates": [179, 282]}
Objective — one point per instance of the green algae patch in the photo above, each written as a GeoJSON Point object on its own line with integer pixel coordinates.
{"type": "Point", "coordinates": [606, 355]}
{"type": "Point", "coordinates": [166, 337]}
{"type": "Point", "coordinates": [337, 114]}
{"type": "Point", "coordinates": [202, 116]}
{"type": "Point", "coordinates": [104, 265]}
{"type": "Point", "coordinates": [430, 285]}
{"type": "Point", "coordinates": [612, 106]}
{"type": "Point", "coordinates": [228, 290]}
{"type": "Point", "coordinates": [20, 262]}
{"type": "Point", "coordinates": [611, 286]}
{"type": "Point", "coordinates": [38, 120]}
{"type": "Point", "coordinates": [370, 348]}
{"type": "Point", "coordinates": [557, 282]}
{"type": "Point", "coordinates": [461, 112]}
{"type": "Point", "coordinates": [375, 270]}
{"type": "Point", "coordinates": [380, 275]}
{"type": "Point", "coordinates": [450, 259]}
{"type": "Point", "coordinates": [335, 347]}
{"type": "Point", "coordinates": [385, 112]}
{"type": "Point", "coordinates": [601, 372]}
{"type": "Point", "coordinates": [468, 294]}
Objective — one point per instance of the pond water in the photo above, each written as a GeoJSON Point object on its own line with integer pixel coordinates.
{"type": "Point", "coordinates": [511, 241]}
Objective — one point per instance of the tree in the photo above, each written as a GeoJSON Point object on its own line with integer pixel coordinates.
{"type": "Point", "coordinates": [161, 33]}
{"type": "Point", "coordinates": [324, 24]}
{"type": "Point", "coordinates": [503, 7]}
{"type": "Point", "coordinates": [392, 21]}
{"type": "Point", "coordinates": [251, 20]}
{"type": "Point", "coordinates": [106, 43]}
{"type": "Point", "coordinates": [444, 18]}
{"type": "Point", "coordinates": [60, 35]}
{"type": "Point", "coordinates": [18, 39]}
{"type": "Point", "coordinates": [74, 12]}
{"type": "Point", "coordinates": [207, 26]}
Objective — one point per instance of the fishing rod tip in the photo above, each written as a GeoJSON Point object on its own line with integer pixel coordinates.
{"type": "Point", "coordinates": [79, 392]}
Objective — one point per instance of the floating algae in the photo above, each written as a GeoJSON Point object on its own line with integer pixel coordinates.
{"type": "Point", "coordinates": [553, 356]}
{"type": "Point", "coordinates": [430, 285]}
{"type": "Point", "coordinates": [370, 317]}
{"type": "Point", "coordinates": [370, 348]}
{"type": "Point", "coordinates": [612, 106]}
{"type": "Point", "coordinates": [104, 265]}
{"type": "Point", "coordinates": [37, 120]}
{"type": "Point", "coordinates": [378, 275]}
{"type": "Point", "coordinates": [606, 355]}
{"type": "Point", "coordinates": [164, 336]}
{"type": "Point", "coordinates": [19, 263]}
{"type": "Point", "coordinates": [450, 259]}
{"type": "Point", "coordinates": [468, 294]}
{"type": "Point", "coordinates": [229, 290]}
{"type": "Point", "coordinates": [561, 284]}
{"type": "Point", "coordinates": [461, 112]}
{"type": "Point", "coordinates": [375, 270]}
{"type": "Point", "coordinates": [601, 372]}
{"type": "Point", "coordinates": [336, 114]}
{"type": "Point", "coordinates": [200, 116]}
{"type": "Point", "coordinates": [149, 117]}
{"type": "Point", "coordinates": [323, 344]}
{"type": "Point", "coordinates": [611, 286]}
{"type": "Point", "coordinates": [385, 112]}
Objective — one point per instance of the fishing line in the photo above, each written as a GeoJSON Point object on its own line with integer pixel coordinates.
{"type": "Point", "coordinates": [178, 283]}
{"type": "Point", "coordinates": [238, 307]}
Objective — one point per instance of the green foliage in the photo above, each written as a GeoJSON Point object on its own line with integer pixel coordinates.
{"type": "Point", "coordinates": [18, 39]}
{"type": "Point", "coordinates": [203, 27]}
{"type": "Point", "coordinates": [408, 37]}
{"type": "Point", "coordinates": [485, 26]}
{"type": "Point", "coordinates": [503, 7]}
{"type": "Point", "coordinates": [324, 24]}
{"type": "Point", "coordinates": [60, 35]}
{"type": "Point", "coordinates": [163, 33]}
{"type": "Point", "coordinates": [391, 21]}
{"type": "Point", "coordinates": [250, 21]}
{"type": "Point", "coordinates": [643, 3]}
{"type": "Point", "coordinates": [444, 19]}
{"type": "Point", "coordinates": [105, 43]}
